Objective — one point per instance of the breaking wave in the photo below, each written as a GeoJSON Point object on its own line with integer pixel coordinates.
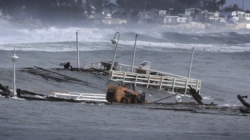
{"type": "Point", "coordinates": [63, 39]}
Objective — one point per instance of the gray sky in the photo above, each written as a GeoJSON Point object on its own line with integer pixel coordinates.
{"type": "Point", "coordinates": [239, 2]}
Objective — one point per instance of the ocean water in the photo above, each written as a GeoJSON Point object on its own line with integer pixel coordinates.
{"type": "Point", "coordinates": [221, 61]}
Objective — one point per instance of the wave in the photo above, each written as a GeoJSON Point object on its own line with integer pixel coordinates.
{"type": "Point", "coordinates": [63, 39]}
{"type": "Point", "coordinates": [123, 45]}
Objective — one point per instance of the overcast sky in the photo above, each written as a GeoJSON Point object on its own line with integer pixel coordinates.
{"type": "Point", "coordinates": [239, 2]}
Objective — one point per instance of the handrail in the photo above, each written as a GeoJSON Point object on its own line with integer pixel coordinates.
{"type": "Point", "coordinates": [166, 81]}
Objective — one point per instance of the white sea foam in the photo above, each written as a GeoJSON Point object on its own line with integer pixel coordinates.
{"type": "Point", "coordinates": [207, 98]}
{"type": "Point", "coordinates": [64, 40]}
{"type": "Point", "coordinates": [126, 45]}
{"type": "Point", "coordinates": [228, 105]}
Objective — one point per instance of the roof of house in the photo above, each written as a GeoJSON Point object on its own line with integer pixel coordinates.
{"type": "Point", "coordinates": [153, 9]}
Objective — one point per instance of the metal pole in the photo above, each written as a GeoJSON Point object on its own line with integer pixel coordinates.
{"type": "Point", "coordinates": [77, 46]}
{"type": "Point", "coordinates": [113, 61]}
{"type": "Point", "coordinates": [14, 80]}
{"type": "Point", "coordinates": [243, 4]}
{"type": "Point", "coordinates": [133, 61]}
{"type": "Point", "coordinates": [191, 63]}
{"type": "Point", "coordinates": [14, 59]}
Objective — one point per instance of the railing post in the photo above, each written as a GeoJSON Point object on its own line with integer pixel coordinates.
{"type": "Point", "coordinates": [99, 65]}
{"type": "Point", "coordinates": [124, 75]}
{"type": "Point", "coordinates": [197, 84]}
{"type": "Point", "coordinates": [161, 82]}
{"type": "Point", "coordinates": [111, 75]}
{"type": "Point", "coordinates": [136, 79]}
{"type": "Point", "coordinates": [200, 86]}
{"type": "Point", "coordinates": [186, 86]}
{"type": "Point", "coordinates": [173, 85]}
{"type": "Point", "coordinates": [148, 81]}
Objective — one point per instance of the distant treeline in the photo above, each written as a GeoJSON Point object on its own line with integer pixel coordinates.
{"type": "Point", "coordinates": [75, 9]}
{"type": "Point", "coordinates": [211, 5]}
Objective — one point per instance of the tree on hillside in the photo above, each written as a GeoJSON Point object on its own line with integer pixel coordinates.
{"type": "Point", "coordinates": [210, 5]}
{"type": "Point", "coordinates": [235, 7]}
{"type": "Point", "coordinates": [189, 3]}
{"type": "Point", "coordinates": [99, 4]}
{"type": "Point", "coordinates": [221, 3]}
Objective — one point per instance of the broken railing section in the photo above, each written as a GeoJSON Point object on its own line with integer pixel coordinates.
{"type": "Point", "coordinates": [84, 97]}
{"type": "Point", "coordinates": [167, 82]}
{"type": "Point", "coordinates": [63, 96]}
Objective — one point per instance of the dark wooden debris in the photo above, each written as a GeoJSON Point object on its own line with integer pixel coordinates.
{"type": "Point", "coordinates": [243, 101]}
{"type": "Point", "coordinates": [5, 91]}
{"type": "Point", "coordinates": [195, 94]}
{"type": "Point", "coordinates": [245, 110]}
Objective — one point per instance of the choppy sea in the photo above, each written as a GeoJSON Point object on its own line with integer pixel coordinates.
{"type": "Point", "coordinates": [221, 61]}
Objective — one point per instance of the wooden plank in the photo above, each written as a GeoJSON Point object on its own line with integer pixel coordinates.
{"type": "Point", "coordinates": [68, 77]}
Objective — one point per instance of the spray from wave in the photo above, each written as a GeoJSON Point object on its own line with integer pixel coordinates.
{"type": "Point", "coordinates": [63, 39]}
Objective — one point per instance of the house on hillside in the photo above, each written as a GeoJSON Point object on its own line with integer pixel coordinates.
{"type": "Point", "coordinates": [176, 12]}
{"type": "Point", "coordinates": [119, 14]}
{"type": "Point", "coordinates": [247, 16]}
{"type": "Point", "coordinates": [116, 17]}
{"type": "Point", "coordinates": [192, 14]}
{"type": "Point", "coordinates": [162, 13]}
{"type": "Point", "coordinates": [114, 21]}
{"type": "Point", "coordinates": [238, 17]}
{"type": "Point", "coordinates": [106, 13]}
{"type": "Point", "coordinates": [159, 19]}
{"type": "Point", "coordinates": [211, 16]}
{"type": "Point", "coordinates": [226, 16]}
{"type": "Point", "coordinates": [247, 20]}
{"type": "Point", "coordinates": [153, 12]}
{"type": "Point", "coordinates": [145, 17]}
{"type": "Point", "coordinates": [170, 20]}
{"type": "Point", "coordinates": [92, 12]}
{"type": "Point", "coordinates": [133, 16]}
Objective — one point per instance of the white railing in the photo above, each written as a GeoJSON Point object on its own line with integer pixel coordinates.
{"type": "Point", "coordinates": [87, 97]}
{"type": "Point", "coordinates": [160, 79]}
{"type": "Point", "coordinates": [168, 81]}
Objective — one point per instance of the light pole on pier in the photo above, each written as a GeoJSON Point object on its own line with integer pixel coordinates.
{"type": "Point", "coordinates": [115, 41]}
{"type": "Point", "coordinates": [191, 63]}
{"type": "Point", "coordinates": [14, 59]}
{"type": "Point", "coordinates": [133, 61]}
{"type": "Point", "coordinates": [77, 46]}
